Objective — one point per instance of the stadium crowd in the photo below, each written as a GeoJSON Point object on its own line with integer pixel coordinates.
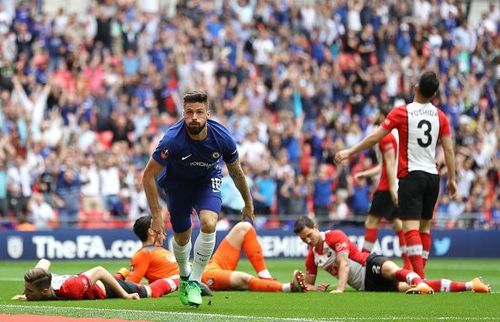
{"type": "Point", "coordinates": [84, 100]}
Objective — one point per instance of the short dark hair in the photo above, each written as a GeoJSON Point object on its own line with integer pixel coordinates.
{"type": "Point", "coordinates": [38, 277]}
{"type": "Point", "coordinates": [196, 97]}
{"type": "Point", "coordinates": [141, 227]}
{"type": "Point", "coordinates": [301, 223]}
{"type": "Point", "coordinates": [428, 84]}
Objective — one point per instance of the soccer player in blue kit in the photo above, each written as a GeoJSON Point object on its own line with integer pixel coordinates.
{"type": "Point", "coordinates": [186, 165]}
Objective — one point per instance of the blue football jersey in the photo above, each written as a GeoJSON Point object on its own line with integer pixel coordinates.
{"type": "Point", "coordinates": [194, 161]}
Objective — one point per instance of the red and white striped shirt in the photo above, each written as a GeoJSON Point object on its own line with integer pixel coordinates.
{"type": "Point", "coordinates": [324, 256]}
{"type": "Point", "coordinates": [420, 126]}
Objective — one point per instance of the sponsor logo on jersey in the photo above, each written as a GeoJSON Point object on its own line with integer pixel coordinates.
{"type": "Point", "coordinates": [215, 155]}
{"type": "Point", "coordinates": [164, 154]}
{"type": "Point", "coordinates": [202, 164]}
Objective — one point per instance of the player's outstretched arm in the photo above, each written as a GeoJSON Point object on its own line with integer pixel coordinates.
{"type": "Point", "coordinates": [152, 170]}
{"type": "Point", "coordinates": [366, 143]}
{"type": "Point", "coordinates": [99, 273]}
{"type": "Point", "coordinates": [238, 176]}
{"type": "Point", "coordinates": [368, 173]}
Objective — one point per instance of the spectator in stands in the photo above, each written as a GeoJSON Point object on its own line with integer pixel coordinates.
{"type": "Point", "coordinates": [68, 188]}
{"type": "Point", "coordinates": [40, 211]}
{"type": "Point", "coordinates": [322, 192]}
{"type": "Point", "coordinates": [263, 193]}
{"type": "Point", "coordinates": [88, 82]}
{"type": "Point", "coordinates": [4, 202]}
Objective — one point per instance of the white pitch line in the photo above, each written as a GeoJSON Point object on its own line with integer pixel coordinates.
{"type": "Point", "coordinates": [187, 316]}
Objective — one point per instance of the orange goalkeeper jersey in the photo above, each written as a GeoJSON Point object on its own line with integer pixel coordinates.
{"type": "Point", "coordinates": [152, 262]}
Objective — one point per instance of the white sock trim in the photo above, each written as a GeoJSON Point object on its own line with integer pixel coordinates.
{"type": "Point", "coordinates": [368, 245]}
{"type": "Point", "coordinates": [445, 285]}
{"type": "Point", "coordinates": [172, 283]}
{"type": "Point", "coordinates": [410, 277]}
{"type": "Point", "coordinates": [425, 254]}
{"type": "Point", "coordinates": [414, 250]}
{"type": "Point", "coordinates": [264, 274]}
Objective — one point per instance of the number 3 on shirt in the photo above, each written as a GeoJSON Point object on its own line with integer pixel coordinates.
{"type": "Point", "coordinates": [427, 133]}
{"type": "Point", "coordinates": [216, 184]}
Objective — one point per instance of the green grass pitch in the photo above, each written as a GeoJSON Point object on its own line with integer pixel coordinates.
{"type": "Point", "coordinates": [230, 306]}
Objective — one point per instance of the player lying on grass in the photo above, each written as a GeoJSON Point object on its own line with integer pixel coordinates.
{"type": "Point", "coordinates": [94, 284]}
{"type": "Point", "coordinates": [335, 253]}
{"type": "Point", "coordinates": [150, 261]}
{"type": "Point", "coordinates": [220, 273]}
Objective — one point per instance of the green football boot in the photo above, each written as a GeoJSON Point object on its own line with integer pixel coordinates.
{"type": "Point", "coordinates": [182, 290]}
{"type": "Point", "coordinates": [193, 293]}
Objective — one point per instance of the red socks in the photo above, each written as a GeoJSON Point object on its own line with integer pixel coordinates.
{"type": "Point", "coordinates": [444, 285]}
{"type": "Point", "coordinates": [404, 252]}
{"type": "Point", "coordinates": [370, 239]}
{"type": "Point", "coordinates": [426, 246]}
{"type": "Point", "coordinates": [163, 286]}
{"type": "Point", "coordinates": [411, 278]}
{"type": "Point", "coordinates": [414, 248]}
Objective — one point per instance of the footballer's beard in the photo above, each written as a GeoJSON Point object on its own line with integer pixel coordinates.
{"type": "Point", "coordinates": [196, 128]}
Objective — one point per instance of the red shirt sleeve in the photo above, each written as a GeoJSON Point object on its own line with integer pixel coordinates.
{"type": "Point", "coordinates": [387, 143]}
{"type": "Point", "coordinates": [311, 267]}
{"type": "Point", "coordinates": [444, 125]}
{"type": "Point", "coordinates": [394, 118]}
{"type": "Point", "coordinates": [139, 265]}
{"type": "Point", "coordinates": [338, 241]}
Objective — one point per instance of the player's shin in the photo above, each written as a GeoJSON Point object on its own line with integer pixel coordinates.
{"type": "Point", "coordinates": [163, 286]}
{"type": "Point", "coordinates": [253, 251]}
{"type": "Point", "coordinates": [182, 257]}
{"type": "Point", "coordinates": [259, 285]}
{"type": "Point", "coordinates": [203, 249]}
{"type": "Point", "coordinates": [414, 248]}
{"type": "Point", "coordinates": [411, 278]}
{"type": "Point", "coordinates": [370, 239]}
{"type": "Point", "coordinates": [404, 251]}
{"type": "Point", "coordinates": [426, 246]}
{"type": "Point", "coordinates": [445, 285]}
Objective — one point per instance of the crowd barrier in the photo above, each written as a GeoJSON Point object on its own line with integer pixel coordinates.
{"type": "Point", "coordinates": [122, 243]}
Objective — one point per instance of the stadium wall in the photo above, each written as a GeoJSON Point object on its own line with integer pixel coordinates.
{"type": "Point", "coordinates": [122, 243]}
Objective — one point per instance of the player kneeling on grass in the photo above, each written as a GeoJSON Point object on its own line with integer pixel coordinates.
{"type": "Point", "coordinates": [335, 253]}
{"type": "Point", "coordinates": [95, 284]}
{"type": "Point", "coordinates": [220, 273]}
